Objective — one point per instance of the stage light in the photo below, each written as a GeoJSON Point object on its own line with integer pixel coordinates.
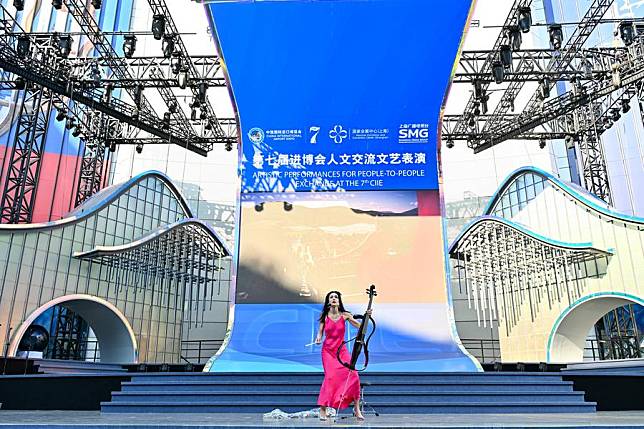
{"type": "Point", "coordinates": [193, 114]}
{"type": "Point", "coordinates": [97, 4]}
{"type": "Point", "coordinates": [288, 206]}
{"type": "Point", "coordinates": [259, 207]}
{"type": "Point", "coordinates": [472, 121]}
{"type": "Point", "coordinates": [77, 131]}
{"type": "Point", "coordinates": [203, 88]}
{"type": "Point", "coordinates": [229, 146]}
{"type": "Point", "coordinates": [556, 36]}
{"type": "Point", "coordinates": [19, 5]}
{"type": "Point", "coordinates": [129, 45]}
{"type": "Point", "coordinates": [95, 73]}
{"type": "Point", "coordinates": [139, 148]}
{"type": "Point", "coordinates": [182, 78]}
{"type": "Point", "coordinates": [524, 18]}
{"type": "Point", "coordinates": [484, 100]}
{"type": "Point", "coordinates": [625, 105]}
{"type": "Point", "coordinates": [570, 141]}
{"type": "Point", "coordinates": [542, 143]}
{"type": "Point", "coordinates": [615, 115]}
{"type": "Point", "coordinates": [138, 95]}
{"type": "Point", "coordinates": [627, 32]}
{"type": "Point", "coordinates": [449, 143]}
{"type": "Point", "coordinates": [204, 113]}
{"type": "Point", "coordinates": [505, 56]}
{"type": "Point", "coordinates": [172, 107]}
{"type": "Point", "coordinates": [69, 124]}
{"type": "Point", "coordinates": [478, 89]}
{"type": "Point", "coordinates": [62, 114]}
{"type": "Point", "coordinates": [515, 38]}
{"type": "Point", "coordinates": [65, 45]}
{"type": "Point", "coordinates": [208, 126]}
{"type": "Point", "coordinates": [608, 123]}
{"type": "Point", "coordinates": [477, 110]}
{"type": "Point", "coordinates": [175, 63]}
{"type": "Point", "coordinates": [166, 121]}
{"type": "Point", "coordinates": [167, 46]}
{"type": "Point", "coordinates": [113, 147]}
{"type": "Point", "coordinates": [158, 26]}
{"type": "Point", "coordinates": [498, 72]}
{"type": "Point", "coordinates": [23, 45]}
{"type": "Point", "coordinates": [544, 88]}
{"type": "Point", "coordinates": [57, 4]}
{"type": "Point", "coordinates": [20, 83]}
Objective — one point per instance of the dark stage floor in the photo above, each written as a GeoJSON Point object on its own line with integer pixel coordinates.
{"type": "Point", "coordinates": [93, 419]}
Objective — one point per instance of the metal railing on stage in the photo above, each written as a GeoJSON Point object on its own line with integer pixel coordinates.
{"type": "Point", "coordinates": [199, 351]}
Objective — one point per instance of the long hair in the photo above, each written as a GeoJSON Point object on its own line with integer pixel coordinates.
{"type": "Point", "coordinates": [327, 306]}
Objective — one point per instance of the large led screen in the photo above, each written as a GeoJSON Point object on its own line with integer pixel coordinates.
{"type": "Point", "coordinates": [339, 105]}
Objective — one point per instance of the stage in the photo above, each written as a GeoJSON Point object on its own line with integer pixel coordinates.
{"type": "Point", "coordinates": [94, 419]}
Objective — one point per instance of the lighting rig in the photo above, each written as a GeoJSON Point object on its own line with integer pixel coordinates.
{"type": "Point", "coordinates": [601, 82]}
{"type": "Point", "coordinates": [79, 91]}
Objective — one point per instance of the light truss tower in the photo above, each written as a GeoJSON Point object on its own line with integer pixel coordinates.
{"type": "Point", "coordinates": [19, 190]}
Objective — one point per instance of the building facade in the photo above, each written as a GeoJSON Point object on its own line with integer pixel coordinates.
{"type": "Point", "coordinates": [132, 261]}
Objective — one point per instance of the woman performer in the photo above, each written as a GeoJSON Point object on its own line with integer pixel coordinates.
{"type": "Point", "coordinates": [341, 386]}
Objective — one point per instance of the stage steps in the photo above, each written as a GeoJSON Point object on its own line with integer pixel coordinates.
{"type": "Point", "coordinates": [388, 393]}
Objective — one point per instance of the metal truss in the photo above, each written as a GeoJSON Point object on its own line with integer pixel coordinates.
{"type": "Point", "coordinates": [19, 190]}
{"type": "Point", "coordinates": [559, 63]}
{"type": "Point", "coordinates": [503, 268]}
{"type": "Point", "coordinates": [90, 27]}
{"type": "Point", "coordinates": [486, 67]}
{"type": "Point", "coordinates": [159, 7]}
{"type": "Point", "coordinates": [149, 72]}
{"type": "Point", "coordinates": [184, 259]}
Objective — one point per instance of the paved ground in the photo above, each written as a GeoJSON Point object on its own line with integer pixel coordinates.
{"type": "Point", "coordinates": [93, 419]}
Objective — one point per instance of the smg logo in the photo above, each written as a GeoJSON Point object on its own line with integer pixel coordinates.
{"type": "Point", "coordinates": [413, 133]}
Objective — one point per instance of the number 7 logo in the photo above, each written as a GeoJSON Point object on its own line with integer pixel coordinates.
{"type": "Point", "coordinates": [314, 134]}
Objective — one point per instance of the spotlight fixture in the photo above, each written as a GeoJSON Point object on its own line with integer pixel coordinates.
{"type": "Point", "coordinates": [95, 73]}
{"type": "Point", "coordinates": [175, 63]}
{"type": "Point", "coordinates": [542, 143]}
{"type": "Point", "coordinates": [472, 121]}
{"type": "Point", "coordinates": [97, 4]}
{"type": "Point", "coordinates": [19, 5]}
{"type": "Point", "coordinates": [524, 18]}
{"type": "Point", "coordinates": [77, 131]}
{"type": "Point", "coordinates": [172, 107]}
{"type": "Point", "coordinates": [203, 88]}
{"type": "Point", "coordinates": [626, 105]}
{"type": "Point", "coordinates": [65, 45]}
{"type": "Point", "coordinates": [449, 144]}
{"type": "Point", "coordinates": [477, 109]}
{"type": "Point", "coordinates": [20, 83]}
{"type": "Point", "coordinates": [193, 114]}
{"type": "Point", "coordinates": [113, 147]}
{"type": "Point", "coordinates": [138, 95]}
{"type": "Point", "coordinates": [570, 141]}
{"type": "Point", "coordinates": [166, 121]}
{"type": "Point", "coordinates": [229, 146]}
{"type": "Point", "coordinates": [544, 88]}
{"type": "Point", "coordinates": [204, 113]}
{"type": "Point", "coordinates": [182, 78]}
{"type": "Point", "coordinates": [167, 46]}
{"type": "Point", "coordinates": [139, 148]}
{"type": "Point", "coordinates": [288, 206]}
{"type": "Point", "coordinates": [57, 4]}
{"type": "Point", "coordinates": [129, 45]}
{"type": "Point", "coordinates": [615, 115]}
{"type": "Point", "coordinates": [627, 32]}
{"type": "Point", "coordinates": [158, 26]}
{"type": "Point", "coordinates": [70, 122]}
{"type": "Point", "coordinates": [208, 126]}
{"type": "Point", "coordinates": [514, 36]}
{"type": "Point", "coordinates": [505, 56]}
{"type": "Point", "coordinates": [259, 207]}
{"type": "Point", "coordinates": [24, 45]}
{"type": "Point", "coordinates": [556, 36]}
{"type": "Point", "coordinates": [498, 72]}
{"type": "Point", "coordinates": [62, 114]}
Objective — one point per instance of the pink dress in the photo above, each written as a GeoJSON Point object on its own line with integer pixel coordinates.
{"type": "Point", "coordinates": [337, 378]}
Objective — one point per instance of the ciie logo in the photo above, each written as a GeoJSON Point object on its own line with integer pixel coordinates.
{"type": "Point", "coordinates": [256, 135]}
{"type": "Point", "coordinates": [338, 134]}
{"type": "Point", "coordinates": [413, 133]}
